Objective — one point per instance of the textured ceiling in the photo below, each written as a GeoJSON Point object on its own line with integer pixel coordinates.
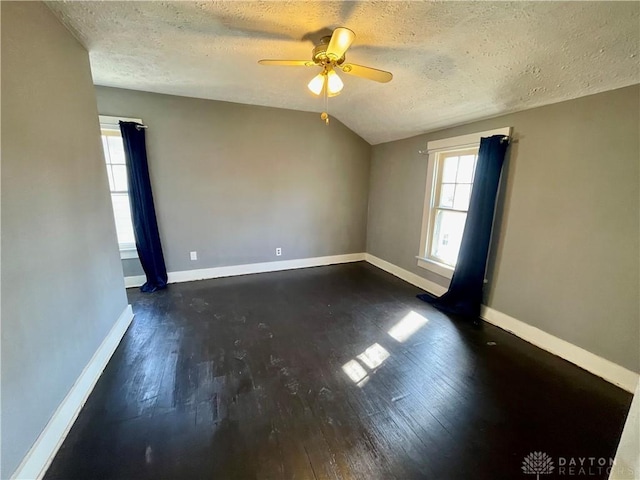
{"type": "Point", "coordinates": [453, 62]}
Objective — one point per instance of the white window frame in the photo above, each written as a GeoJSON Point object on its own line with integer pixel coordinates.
{"type": "Point", "coordinates": [107, 122]}
{"type": "Point", "coordinates": [434, 148]}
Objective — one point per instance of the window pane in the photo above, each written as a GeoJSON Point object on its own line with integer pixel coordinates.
{"type": "Point", "coordinates": [107, 160]}
{"type": "Point", "coordinates": [110, 177]}
{"type": "Point", "coordinates": [465, 168]}
{"type": "Point", "coordinates": [461, 201]}
{"type": "Point", "coordinates": [120, 177]}
{"type": "Point", "coordinates": [116, 149]}
{"type": "Point", "coordinates": [449, 168]}
{"type": "Point", "coordinates": [447, 193]}
{"type": "Point", "coordinates": [447, 236]}
{"type": "Point", "coordinates": [105, 148]}
{"type": "Point", "coordinates": [122, 215]}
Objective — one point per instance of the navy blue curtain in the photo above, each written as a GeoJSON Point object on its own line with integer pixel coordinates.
{"type": "Point", "coordinates": [464, 296]}
{"type": "Point", "coordinates": [143, 212]}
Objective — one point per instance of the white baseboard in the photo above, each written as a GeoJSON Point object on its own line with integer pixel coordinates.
{"type": "Point", "coordinates": [590, 362]}
{"type": "Point", "coordinates": [406, 275]}
{"type": "Point", "coordinates": [249, 268]}
{"type": "Point", "coordinates": [37, 461]}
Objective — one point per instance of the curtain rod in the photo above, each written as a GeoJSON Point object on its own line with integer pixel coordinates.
{"type": "Point", "coordinates": [505, 138]}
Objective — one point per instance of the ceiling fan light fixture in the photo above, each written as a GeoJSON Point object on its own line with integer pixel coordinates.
{"type": "Point", "coordinates": [334, 83]}
{"type": "Point", "coordinates": [317, 83]}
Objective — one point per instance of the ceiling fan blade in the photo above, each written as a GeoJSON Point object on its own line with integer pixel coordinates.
{"type": "Point", "coordinates": [367, 72]}
{"type": "Point", "coordinates": [288, 63]}
{"type": "Point", "coordinates": [341, 40]}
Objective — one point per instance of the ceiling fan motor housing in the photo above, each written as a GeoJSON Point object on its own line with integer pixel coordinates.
{"type": "Point", "coordinates": [319, 54]}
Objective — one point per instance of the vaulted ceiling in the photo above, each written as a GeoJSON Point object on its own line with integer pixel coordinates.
{"type": "Point", "coordinates": [453, 62]}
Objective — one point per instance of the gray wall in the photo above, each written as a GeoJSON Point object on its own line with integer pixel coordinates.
{"type": "Point", "coordinates": [233, 182]}
{"type": "Point", "coordinates": [565, 248]}
{"type": "Point", "coordinates": [62, 287]}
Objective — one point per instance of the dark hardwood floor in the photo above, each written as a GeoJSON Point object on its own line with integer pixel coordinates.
{"type": "Point", "coordinates": [329, 373]}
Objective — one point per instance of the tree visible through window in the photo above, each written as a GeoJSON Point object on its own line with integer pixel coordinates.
{"type": "Point", "coordinates": [117, 173]}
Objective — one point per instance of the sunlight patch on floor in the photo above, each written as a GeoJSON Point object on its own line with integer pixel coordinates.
{"type": "Point", "coordinates": [358, 368]}
{"type": "Point", "coordinates": [373, 356]}
{"type": "Point", "coordinates": [410, 324]}
{"type": "Point", "coordinates": [354, 370]}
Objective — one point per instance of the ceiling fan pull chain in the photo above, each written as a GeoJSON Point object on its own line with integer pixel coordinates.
{"type": "Point", "coordinates": [325, 115]}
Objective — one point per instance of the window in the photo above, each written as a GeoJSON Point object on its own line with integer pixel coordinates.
{"type": "Point", "coordinates": [117, 175]}
{"type": "Point", "coordinates": [450, 176]}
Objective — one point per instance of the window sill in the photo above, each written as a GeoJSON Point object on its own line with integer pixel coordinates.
{"type": "Point", "coordinates": [441, 269]}
{"type": "Point", "coordinates": [128, 253]}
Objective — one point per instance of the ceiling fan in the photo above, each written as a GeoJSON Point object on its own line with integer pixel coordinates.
{"type": "Point", "coordinates": [329, 54]}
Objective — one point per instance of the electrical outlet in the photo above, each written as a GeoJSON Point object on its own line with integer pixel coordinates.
{"type": "Point", "coordinates": [278, 252]}
{"type": "Point", "coordinates": [194, 255]}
